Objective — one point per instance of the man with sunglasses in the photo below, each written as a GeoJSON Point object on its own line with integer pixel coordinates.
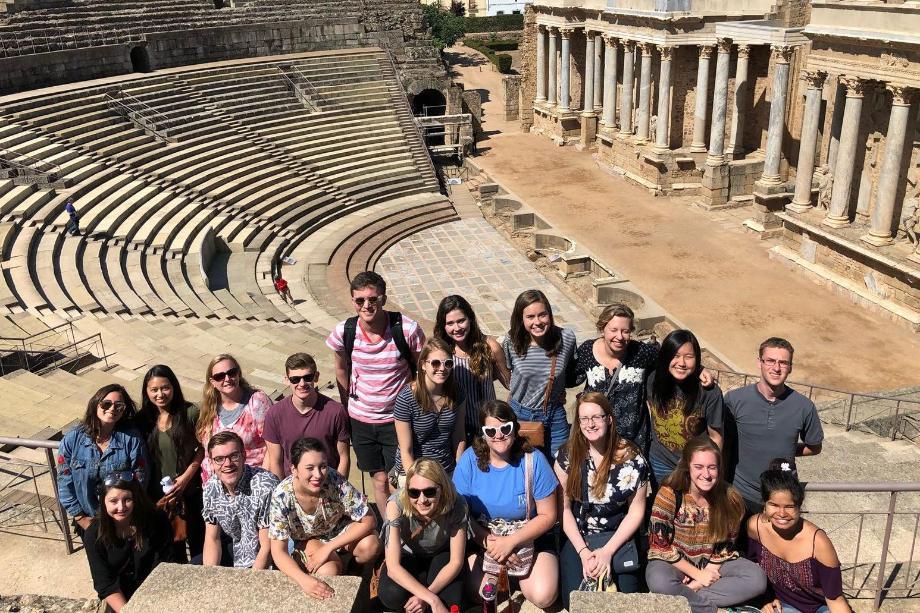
{"type": "Point", "coordinates": [236, 502]}
{"type": "Point", "coordinates": [375, 355]}
{"type": "Point", "coordinates": [772, 421]}
{"type": "Point", "coordinates": [305, 413]}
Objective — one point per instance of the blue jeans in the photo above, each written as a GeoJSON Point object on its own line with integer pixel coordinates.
{"type": "Point", "coordinates": [788, 608]}
{"type": "Point", "coordinates": [556, 428]}
{"type": "Point", "coordinates": [659, 468]}
{"type": "Point", "coordinates": [572, 573]}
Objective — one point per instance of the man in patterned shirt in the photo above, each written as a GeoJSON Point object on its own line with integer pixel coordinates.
{"type": "Point", "coordinates": [236, 502]}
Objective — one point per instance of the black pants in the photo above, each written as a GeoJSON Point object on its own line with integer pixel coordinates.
{"type": "Point", "coordinates": [394, 597]}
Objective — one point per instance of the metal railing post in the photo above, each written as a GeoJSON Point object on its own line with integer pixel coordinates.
{"type": "Point", "coordinates": [880, 582]}
{"type": "Point", "coordinates": [895, 419]}
{"type": "Point", "coordinates": [52, 465]}
{"type": "Point", "coordinates": [847, 426]}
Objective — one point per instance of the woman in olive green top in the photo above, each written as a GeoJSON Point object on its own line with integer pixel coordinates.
{"type": "Point", "coordinates": [167, 421]}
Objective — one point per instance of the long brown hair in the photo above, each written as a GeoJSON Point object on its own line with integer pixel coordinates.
{"type": "Point", "coordinates": [520, 338]}
{"type": "Point", "coordinates": [614, 450]}
{"type": "Point", "coordinates": [141, 515]}
{"type": "Point", "coordinates": [210, 397]}
{"type": "Point", "coordinates": [726, 507]}
{"type": "Point", "coordinates": [420, 390]}
{"type": "Point", "coordinates": [500, 410]}
{"type": "Point", "coordinates": [91, 424]}
{"type": "Point", "coordinates": [480, 353]}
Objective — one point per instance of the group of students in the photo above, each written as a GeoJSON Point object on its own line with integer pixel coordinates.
{"type": "Point", "coordinates": [634, 495]}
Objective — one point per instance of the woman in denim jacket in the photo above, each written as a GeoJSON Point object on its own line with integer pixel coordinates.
{"type": "Point", "coordinates": [103, 443]}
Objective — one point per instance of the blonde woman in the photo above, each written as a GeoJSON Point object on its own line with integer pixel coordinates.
{"type": "Point", "coordinates": [429, 414]}
{"type": "Point", "coordinates": [230, 403]}
{"type": "Point", "coordinates": [425, 542]}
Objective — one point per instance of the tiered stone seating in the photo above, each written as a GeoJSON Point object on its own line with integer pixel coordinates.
{"type": "Point", "coordinates": [248, 167]}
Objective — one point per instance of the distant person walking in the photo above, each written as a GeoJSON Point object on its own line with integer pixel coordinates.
{"type": "Point", "coordinates": [281, 286]}
{"type": "Point", "coordinates": [773, 421]}
{"type": "Point", "coordinates": [73, 226]}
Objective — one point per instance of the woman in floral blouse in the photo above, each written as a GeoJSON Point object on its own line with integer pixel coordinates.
{"type": "Point", "coordinates": [604, 497]}
{"type": "Point", "coordinates": [324, 515]}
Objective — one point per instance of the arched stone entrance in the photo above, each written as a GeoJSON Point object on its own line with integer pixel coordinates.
{"type": "Point", "coordinates": [140, 59]}
{"type": "Point", "coordinates": [427, 103]}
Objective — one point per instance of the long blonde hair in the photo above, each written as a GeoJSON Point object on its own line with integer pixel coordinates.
{"type": "Point", "coordinates": [434, 472]}
{"type": "Point", "coordinates": [210, 397]}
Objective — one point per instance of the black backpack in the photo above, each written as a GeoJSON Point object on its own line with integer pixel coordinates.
{"type": "Point", "coordinates": [396, 330]}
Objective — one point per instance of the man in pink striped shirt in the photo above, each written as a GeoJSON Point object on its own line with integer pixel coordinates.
{"type": "Point", "coordinates": [372, 375]}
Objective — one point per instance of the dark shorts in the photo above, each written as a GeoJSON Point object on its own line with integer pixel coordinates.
{"type": "Point", "coordinates": [375, 445]}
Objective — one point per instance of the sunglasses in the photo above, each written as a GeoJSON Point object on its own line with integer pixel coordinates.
{"type": "Point", "coordinates": [233, 373]}
{"type": "Point", "coordinates": [436, 364]}
{"type": "Point", "coordinates": [430, 492]}
{"type": "Point", "coordinates": [296, 379]}
{"type": "Point", "coordinates": [123, 476]}
{"type": "Point", "coordinates": [109, 405]}
{"type": "Point", "coordinates": [371, 301]}
{"type": "Point", "coordinates": [505, 429]}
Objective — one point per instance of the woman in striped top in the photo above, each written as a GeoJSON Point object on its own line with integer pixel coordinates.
{"type": "Point", "coordinates": [429, 412]}
{"type": "Point", "coordinates": [694, 523]}
{"type": "Point", "coordinates": [539, 354]}
{"type": "Point", "coordinates": [478, 358]}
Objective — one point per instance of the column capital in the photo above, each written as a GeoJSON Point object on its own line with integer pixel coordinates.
{"type": "Point", "coordinates": [610, 39]}
{"type": "Point", "coordinates": [901, 95]}
{"type": "Point", "coordinates": [814, 78]}
{"type": "Point", "coordinates": [667, 52]}
{"type": "Point", "coordinates": [646, 48]}
{"type": "Point", "coordinates": [724, 45]}
{"type": "Point", "coordinates": [566, 32]}
{"type": "Point", "coordinates": [628, 45]}
{"type": "Point", "coordinates": [590, 34]}
{"type": "Point", "coordinates": [706, 51]}
{"type": "Point", "coordinates": [744, 51]}
{"type": "Point", "coordinates": [782, 53]}
{"type": "Point", "coordinates": [541, 27]}
{"type": "Point", "coordinates": [855, 86]}
{"type": "Point", "coordinates": [553, 30]}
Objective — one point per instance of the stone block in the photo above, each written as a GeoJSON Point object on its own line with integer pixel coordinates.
{"type": "Point", "coordinates": [614, 602]}
{"type": "Point", "coordinates": [202, 589]}
{"type": "Point", "coordinates": [488, 188]}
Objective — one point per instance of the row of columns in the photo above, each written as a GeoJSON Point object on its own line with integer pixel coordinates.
{"type": "Point", "coordinates": [600, 92]}
{"type": "Point", "coordinates": [842, 153]}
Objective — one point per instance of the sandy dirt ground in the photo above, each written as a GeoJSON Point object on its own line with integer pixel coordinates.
{"type": "Point", "coordinates": [702, 267]}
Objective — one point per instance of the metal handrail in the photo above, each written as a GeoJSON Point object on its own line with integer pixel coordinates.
{"type": "Point", "coordinates": [404, 103]}
{"type": "Point", "coordinates": [851, 399]}
{"type": "Point", "coordinates": [27, 163]}
{"type": "Point", "coordinates": [298, 70]}
{"type": "Point", "coordinates": [140, 113]}
{"type": "Point", "coordinates": [300, 95]}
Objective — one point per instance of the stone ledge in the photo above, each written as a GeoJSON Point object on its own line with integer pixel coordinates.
{"type": "Point", "coordinates": [204, 589]}
{"type": "Point", "coordinates": [614, 602]}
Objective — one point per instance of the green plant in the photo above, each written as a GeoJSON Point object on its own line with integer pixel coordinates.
{"type": "Point", "coordinates": [502, 45]}
{"type": "Point", "coordinates": [446, 27]}
{"type": "Point", "coordinates": [496, 23]}
{"type": "Point", "coordinates": [502, 61]}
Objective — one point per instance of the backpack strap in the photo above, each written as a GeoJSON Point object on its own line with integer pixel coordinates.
{"type": "Point", "coordinates": [399, 337]}
{"type": "Point", "coordinates": [348, 340]}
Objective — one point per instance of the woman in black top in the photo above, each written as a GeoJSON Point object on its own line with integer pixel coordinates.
{"type": "Point", "coordinates": [126, 540]}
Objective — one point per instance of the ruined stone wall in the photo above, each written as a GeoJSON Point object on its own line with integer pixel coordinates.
{"type": "Point", "coordinates": [757, 118]}
{"type": "Point", "coordinates": [683, 79]}
{"type": "Point", "coordinates": [528, 67]}
{"type": "Point", "coordinates": [794, 13]}
{"type": "Point", "coordinates": [30, 71]}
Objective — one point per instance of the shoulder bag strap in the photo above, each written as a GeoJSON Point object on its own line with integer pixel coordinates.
{"type": "Point", "coordinates": [349, 334]}
{"type": "Point", "coordinates": [551, 383]}
{"type": "Point", "coordinates": [528, 483]}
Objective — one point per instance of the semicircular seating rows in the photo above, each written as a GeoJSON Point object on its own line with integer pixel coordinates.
{"type": "Point", "coordinates": [312, 159]}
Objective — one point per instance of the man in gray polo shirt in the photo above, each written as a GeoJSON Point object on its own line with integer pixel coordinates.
{"type": "Point", "coordinates": [773, 421]}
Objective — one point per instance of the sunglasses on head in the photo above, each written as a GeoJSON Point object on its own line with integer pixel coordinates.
{"type": "Point", "coordinates": [436, 364]}
{"type": "Point", "coordinates": [296, 379]}
{"type": "Point", "coordinates": [122, 476]}
{"type": "Point", "coordinates": [371, 301]}
{"type": "Point", "coordinates": [505, 429]}
{"type": "Point", "coordinates": [109, 405]}
{"type": "Point", "coordinates": [430, 492]}
{"type": "Point", "coordinates": [233, 373]}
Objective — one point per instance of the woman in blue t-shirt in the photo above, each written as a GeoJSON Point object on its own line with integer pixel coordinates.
{"type": "Point", "coordinates": [491, 476]}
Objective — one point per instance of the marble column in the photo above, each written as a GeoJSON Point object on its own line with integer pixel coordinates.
{"type": "Point", "coordinates": [598, 72]}
{"type": "Point", "coordinates": [588, 102]}
{"type": "Point", "coordinates": [719, 104]}
{"type": "Point", "coordinates": [702, 99]}
{"type": "Point", "coordinates": [782, 54]}
{"type": "Point", "coordinates": [806, 168]}
{"type": "Point", "coordinates": [541, 64]}
{"type": "Point", "coordinates": [565, 92]}
{"type": "Point", "coordinates": [836, 126]}
{"type": "Point", "coordinates": [739, 103]}
{"type": "Point", "coordinates": [890, 175]}
{"type": "Point", "coordinates": [627, 94]}
{"type": "Point", "coordinates": [664, 99]}
{"type": "Point", "coordinates": [610, 81]}
{"type": "Point", "coordinates": [838, 213]}
{"type": "Point", "coordinates": [553, 64]}
{"type": "Point", "coordinates": [645, 93]}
